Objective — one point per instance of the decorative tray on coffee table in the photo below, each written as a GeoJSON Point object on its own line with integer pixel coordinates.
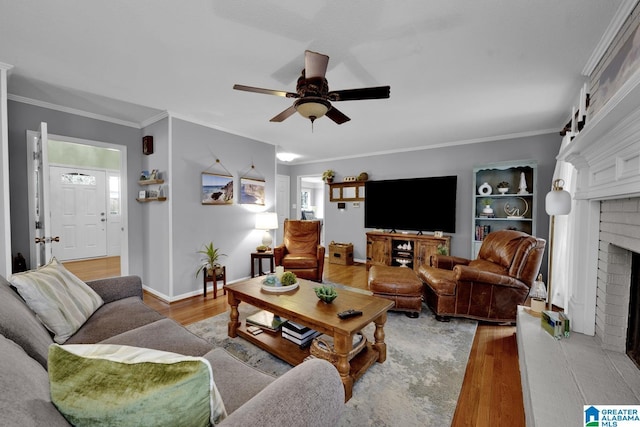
{"type": "Point", "coordinates": [273, 288]}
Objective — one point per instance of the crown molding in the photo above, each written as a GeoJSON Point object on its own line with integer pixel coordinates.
{"type": "Point", "coordinates": [69, 110]}
{"type": "Point", "coordinates": [431, 147]}
{"type": "Point", "coordinates": [620, 17]}
{"type": "Point", "coordinates": [154, 119]}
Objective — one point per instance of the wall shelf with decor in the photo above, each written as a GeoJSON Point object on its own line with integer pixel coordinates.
{"type": "Point", "coordinates": [509, 190]}
{"type": "Point", "coordinates": [151, 195]}
{"type": "Point", "coordinates": [346, 191]}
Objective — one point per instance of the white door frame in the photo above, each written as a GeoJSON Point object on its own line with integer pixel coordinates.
{"type": "Point", "coordinates": [124, 253]}
{"type": "Point", "coordinates": [283, 191]}
{"type": "Point", "coordinates": [299, 208]}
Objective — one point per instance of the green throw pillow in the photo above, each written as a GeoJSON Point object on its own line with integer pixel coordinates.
{"type": "Point", "coordinates": [115, 385]}
{"type": "Point", "coordinates": [61, 301]}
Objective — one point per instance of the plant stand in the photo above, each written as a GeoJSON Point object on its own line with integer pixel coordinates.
{"type": "Point", "coordinates": [223, 277]}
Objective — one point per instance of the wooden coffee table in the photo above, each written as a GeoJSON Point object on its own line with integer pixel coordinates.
{"type": "Point", "coordinates": [302, 306]}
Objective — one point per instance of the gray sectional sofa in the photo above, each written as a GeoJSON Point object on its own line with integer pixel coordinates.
{"type": "Point", "coordinates": [313, 391]}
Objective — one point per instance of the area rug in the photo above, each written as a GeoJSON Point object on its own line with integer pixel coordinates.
{"type": "Point", "coordinates": [418, 384]}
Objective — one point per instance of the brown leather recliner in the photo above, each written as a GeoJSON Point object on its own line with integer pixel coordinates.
{"type": "Point", "coordinates": [301, 251]}
{"type": "Point", "coordinates": [488, 288]}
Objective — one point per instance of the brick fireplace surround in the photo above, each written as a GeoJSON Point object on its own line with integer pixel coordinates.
{"type": "Point", "coordinates": [591, 367]}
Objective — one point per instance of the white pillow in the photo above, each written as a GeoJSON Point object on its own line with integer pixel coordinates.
{"type": "Point", "coordinates": [61, 301]}
{"type": "Point", "coordinates": [116, 385]}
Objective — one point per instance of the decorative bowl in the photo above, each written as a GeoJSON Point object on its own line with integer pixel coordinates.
{"type": "Point", "coordinates": [326, 293]}
{"type": "Point", "coordinates": [503, 190]}
{"type": "Point", "coordinates": [272, 284]}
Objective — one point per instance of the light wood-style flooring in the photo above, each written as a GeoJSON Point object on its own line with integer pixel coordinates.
{"type": "Point", "coordinates": [491, 394]}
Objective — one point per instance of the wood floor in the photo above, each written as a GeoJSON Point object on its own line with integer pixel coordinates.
{"type": "Point", "coordinates": [491, 394]}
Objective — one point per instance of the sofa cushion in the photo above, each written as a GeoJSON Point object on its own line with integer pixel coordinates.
{"type": "Point", "coordinates": [112, 385]}
{"type": "Point", "coordinates": [300, 260]}
{"type": "Point", "coordinates": [115, 318]}
{"type": "Point", "coordinates": [60, 300]}
{"type": "Point", "coordinates": [165, 335]}
{"type": "Point", "coordinates": [20, 324]}
{"type": "Point", "coordinates": [24, 390]}
{"type": "Point", "coordinates": [236, 381]}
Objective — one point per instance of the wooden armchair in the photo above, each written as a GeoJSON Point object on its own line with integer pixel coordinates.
{"type": "Point", "coordinates": [301, 251]}
{"type": "Point", "coordinates": [488, 288]}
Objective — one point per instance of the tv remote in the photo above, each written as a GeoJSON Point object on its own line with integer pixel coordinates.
{"type": "Point", "coordinates": [349, 313]}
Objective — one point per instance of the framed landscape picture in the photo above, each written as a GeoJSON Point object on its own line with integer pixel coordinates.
{"type": "Point", "coordinates": [252, 191]}
{"type": "Point", "coordinates": [216, 189]}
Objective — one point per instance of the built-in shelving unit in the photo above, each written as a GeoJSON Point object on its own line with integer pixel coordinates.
{"type": "Point", "coordinates": [513, 208]}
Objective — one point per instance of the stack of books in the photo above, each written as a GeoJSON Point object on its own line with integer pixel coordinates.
{"type": "Point", "coordinates": [266, 320]}
{"type": "Point", "coordinates": [298, 333]}
{"type": "Point", "coordinates": [556, 323]}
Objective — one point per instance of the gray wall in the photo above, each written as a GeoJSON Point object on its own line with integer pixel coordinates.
{"type": "Point", "coordinates": [163, 236]}
{"type": "Point", "coordinates": [195, 149]}
{"type": "Point", "coordinates": [23, 117]}
{"type": "Point", "coordinates": [155, 230]}
{"type": "Point", "coordinates": [348, 225]}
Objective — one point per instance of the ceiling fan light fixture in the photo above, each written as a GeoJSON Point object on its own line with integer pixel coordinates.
{"type": "Point", "coordinates": [312, 108]}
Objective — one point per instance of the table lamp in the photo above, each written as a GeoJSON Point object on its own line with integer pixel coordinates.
{"type": "Point", "coordinates": [267, 221]}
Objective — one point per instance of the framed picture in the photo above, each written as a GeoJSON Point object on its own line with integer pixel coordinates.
{"type": "Point", "coordinates": [216, 189]}
{"type": "Point", "coordinates": [252, 191]}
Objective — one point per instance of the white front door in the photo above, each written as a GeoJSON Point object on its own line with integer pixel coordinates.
{"type": "Point", "coordinates": [78, 212]}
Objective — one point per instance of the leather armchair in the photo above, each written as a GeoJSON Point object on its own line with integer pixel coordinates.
{"type": "Point", "coordinates": [301, 251]}
{"type": "Point", "coordinates": [488, 288]}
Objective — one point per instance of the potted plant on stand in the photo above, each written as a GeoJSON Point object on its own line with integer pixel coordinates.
{"type": "Point", "coordinates": [210, 265]}
{"type": "Point", "coordinates": [328, 175]}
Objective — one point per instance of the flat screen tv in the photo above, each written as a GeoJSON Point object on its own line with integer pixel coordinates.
{"type": "Point", "coordinates": [414, 204]}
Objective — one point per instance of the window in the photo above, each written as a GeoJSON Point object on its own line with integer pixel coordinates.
{"type": "Point", "coordinates": [114, 195]}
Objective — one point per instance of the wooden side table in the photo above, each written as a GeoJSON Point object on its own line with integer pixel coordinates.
{"type": "Point", "coordinates": [259, 256]}
{"type": "Point", "coordinates": [215, 279]}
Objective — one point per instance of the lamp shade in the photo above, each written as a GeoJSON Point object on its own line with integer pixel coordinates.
{"type": "Point", "coordinates": [558, 201]}
{"type": "Point", "coordinates": [266, 221]}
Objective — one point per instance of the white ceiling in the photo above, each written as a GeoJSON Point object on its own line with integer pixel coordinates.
{"type": "Point", "coordinates": [460, 70]}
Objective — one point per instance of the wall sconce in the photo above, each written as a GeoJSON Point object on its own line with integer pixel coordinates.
{"type": "Point", "coordinates": [342, 206]}
{"type": "Point", "coordinates": [267, 221]}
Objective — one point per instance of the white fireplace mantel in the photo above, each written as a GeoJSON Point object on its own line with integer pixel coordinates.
{"type": "Point", "coordinates": [606, 155]}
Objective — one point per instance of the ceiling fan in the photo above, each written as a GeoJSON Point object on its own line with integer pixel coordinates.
{"type": "Point", "coordinates": [313, 98]}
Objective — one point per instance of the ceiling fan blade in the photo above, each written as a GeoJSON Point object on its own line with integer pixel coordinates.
{"type": "Point", "coordinates": [284, 115]}
{"type": "Point", "coordinates": [337, 116]}
{"type": "Point", "coordinates": [357, 94]}
{"type": "Point", "coordinates": [315, 64]}
{"type": "Point", "coordinates": [282, 93]}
